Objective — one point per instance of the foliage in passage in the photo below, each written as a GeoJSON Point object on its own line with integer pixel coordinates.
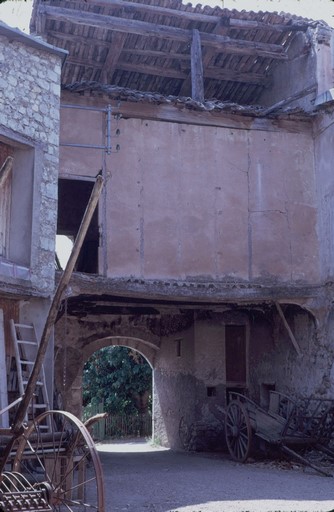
{"type": "Point", "coordinates": [120, 378]}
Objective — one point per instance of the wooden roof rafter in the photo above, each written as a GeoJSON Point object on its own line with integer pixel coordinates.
{"type": "Point", "coordinates": [142, 28]}
{"type": "Point", "coordinates": [167, 47]}
{"type": "Point", "coordinates": [200, 17]}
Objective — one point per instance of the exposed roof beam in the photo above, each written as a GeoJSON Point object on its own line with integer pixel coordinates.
{"type": "Point", "coordinates": [105, 44]}
{"type": "Point", "coordinates": [157, 53]}
{"type": "Point", "coordinates": [131, 7]}
{"type": "Point", "coordinates": [207, 55]}
{"type": "Point", "coordinates": [197, 84]}
{"type": "Point", "coordinates": [221, 43]}
{"type": "Point", "coordinates": [210, 72]}
{"type": "Point", "coordinates": [114, 52]}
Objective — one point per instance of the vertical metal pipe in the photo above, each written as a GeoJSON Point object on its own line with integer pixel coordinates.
{"type": "Point", "coordinates": [109, 129]}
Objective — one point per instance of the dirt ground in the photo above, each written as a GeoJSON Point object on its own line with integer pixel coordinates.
{"type": "Point", "coordinates": [142, 478]}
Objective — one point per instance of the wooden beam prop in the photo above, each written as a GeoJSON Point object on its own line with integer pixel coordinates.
{"type": "Point", "coordinates": [300, 94]}
{"type": "Point", "coordinates": [286, 325]}
{"type": "Point", "coordinates": [6, 170]}
{"type": "Point", "coordinates": [221, 43]}
{"type": "Point", "coordinates": [52, 315]}
{"type": "Point", "coordinates": [197, 83]}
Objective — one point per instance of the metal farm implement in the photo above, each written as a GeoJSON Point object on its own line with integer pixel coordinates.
{"type": "Point", "coordinates": [51, 463]}
{"type": "Point", "coordinates": [296, 427]}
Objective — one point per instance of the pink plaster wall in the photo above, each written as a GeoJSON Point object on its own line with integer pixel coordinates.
{"type": "Point", "coordinates": [202, 202]}
{"type": "Point", "coordinates": [324, 143]}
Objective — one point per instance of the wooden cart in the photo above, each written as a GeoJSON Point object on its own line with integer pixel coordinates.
{"type": "Point", "coordinates": [294, 426]}
{"type": "Point", "coordinates": [51, 463]}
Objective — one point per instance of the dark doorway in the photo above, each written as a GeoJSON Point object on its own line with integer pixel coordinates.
{"type": "Point", "coordinates": [73, 197]}
{"type": "Point", "coordinates": [236, 356]}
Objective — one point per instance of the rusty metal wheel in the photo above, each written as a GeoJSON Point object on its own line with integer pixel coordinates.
{"type": "Point", "coordinates": [57, 451]}
{"type": "Point", "coordinates": [238, 431]}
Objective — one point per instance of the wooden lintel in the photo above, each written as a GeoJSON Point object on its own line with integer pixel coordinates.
{"type": "Point", "coordinates": [223, 44]}
{"type": "Point", "coordinates": [177, 114]}
{"type": "Point", "coordinates": [286, 325]}
{"type": "Point", "coordinates": [197, 84]}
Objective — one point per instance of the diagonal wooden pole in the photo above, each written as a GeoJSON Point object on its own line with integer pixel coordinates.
{"type": "Point", "coordinates": [52, 315]}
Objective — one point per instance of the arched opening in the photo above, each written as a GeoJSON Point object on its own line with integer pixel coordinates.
{"type": "Point", "coordinates": [117, 380]}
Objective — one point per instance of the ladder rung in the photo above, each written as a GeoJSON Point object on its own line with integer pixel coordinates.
{"type": "Point", "coordinates": [26, 326]}
{"type": "Point", "coordinates": [26, 346]}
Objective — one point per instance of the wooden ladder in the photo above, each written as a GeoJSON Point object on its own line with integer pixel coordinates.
{"type": "Point", "coordinates": [26, 345]}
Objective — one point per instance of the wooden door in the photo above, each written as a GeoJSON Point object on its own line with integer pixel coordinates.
{"type": "Point", "coordinates": [236, 355]}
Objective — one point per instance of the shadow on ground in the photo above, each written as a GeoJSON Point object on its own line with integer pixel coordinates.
{"type": "Point", "coordinates": [142, 478]}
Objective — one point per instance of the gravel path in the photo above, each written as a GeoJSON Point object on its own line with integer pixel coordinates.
{"type": "Point", "coordinates": [143, 478]}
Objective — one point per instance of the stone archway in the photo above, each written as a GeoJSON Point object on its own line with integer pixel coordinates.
{"type": "Point", "coordinates": [127, 393]}
{"type": "Point", "coordinates": [145, 348]}
{"type": "Point", "coordinates": [82, 339]}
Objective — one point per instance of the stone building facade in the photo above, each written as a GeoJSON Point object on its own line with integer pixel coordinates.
{"type": "Point", "coordinates": [211, 252]}
{"type": "Point", "coordinates": [29, 133]}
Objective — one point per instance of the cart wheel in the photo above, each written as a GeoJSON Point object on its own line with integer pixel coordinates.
{"type": "Point", "coordinates": [184, 433]}
{"type": "Point", "coordinates": [57, 452]}
{"type": "Point", "coordinates": [238, 431]}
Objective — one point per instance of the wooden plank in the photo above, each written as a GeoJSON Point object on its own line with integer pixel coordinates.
{"type": "Point", "coordinates": [168, 72]}
{"type": "Point", "coordinates": [4, 418]}
{"type": "Point", "coordinates": [221, 43]}
{"type": "Point", "coordinates": [232, 75]}
{"type": "Point", "coordinates": [176, 114]}
{"type": "Point", "coordinates": [114, 52]}
{"type": "Point", "coordinates": [5, 170]}
{"type": "Point", "coordinates": [299, 94]}
{"type": "Point", "coordinates": [157, 54]}
{"type": "Point", "coordinates": [286, 325]}
{"type": "Point", "coordinates": [199, 16]}
{"type": "Point", "coordinates": [197, 84]}
{"type": "Point", "coordinates": [211, 72]}
{"type": "Point", "coordinates": [207, 56]}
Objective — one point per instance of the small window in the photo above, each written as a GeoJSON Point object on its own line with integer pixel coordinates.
{"type": "Point", "coordinates": [16, 199]}
{"type": "Point", "coordinates": [211, 391]}
{"type": "Point", "coordinates": [178, 347]}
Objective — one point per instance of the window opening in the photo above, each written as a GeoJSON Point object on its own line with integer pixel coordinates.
{"type": "Point", "coordinates": [73, 196]}
{"type": "Point", "coordinates": [16, 200]}
{"type": "Point", "coordinates": [211, 391]}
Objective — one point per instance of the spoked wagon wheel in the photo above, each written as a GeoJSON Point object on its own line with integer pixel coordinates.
{"type": "Point", "coordinates": [57, 453]}
{"type": "Point", "coordinates": [238, 431]}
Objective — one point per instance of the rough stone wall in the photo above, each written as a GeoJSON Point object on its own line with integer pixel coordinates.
{"type": "Point", "coordinates": [29, 115]}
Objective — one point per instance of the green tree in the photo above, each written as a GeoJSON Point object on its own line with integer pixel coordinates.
{"type": "Point", "coordinates": [120, 378]}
